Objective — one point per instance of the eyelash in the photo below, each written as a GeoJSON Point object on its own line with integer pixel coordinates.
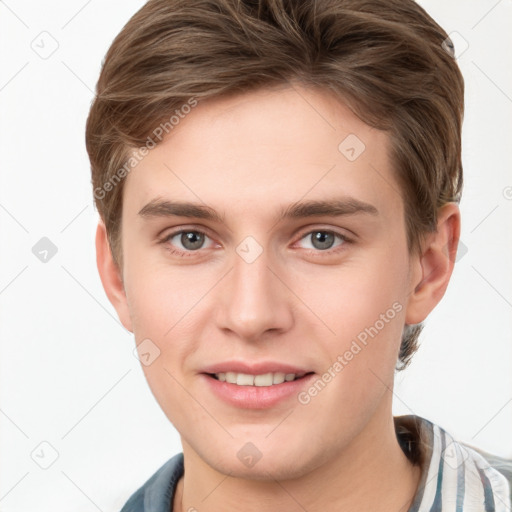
{"type": "Point", "coordinates": [185, 254]}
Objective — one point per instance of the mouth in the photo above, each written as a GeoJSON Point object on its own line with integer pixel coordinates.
{"type": "Point", "coordinates": [257, 391]}
{"type": "Point", "coordinates": [261, 380]}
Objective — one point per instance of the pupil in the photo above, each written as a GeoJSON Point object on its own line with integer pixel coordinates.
{"type": "Point", "coordinates": [192, 240]}
{"type": "Point", "coordinates": [323, 240]}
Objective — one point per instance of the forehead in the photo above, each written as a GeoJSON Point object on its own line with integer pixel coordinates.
{"type": "Point", "coordinates": [270, 146]}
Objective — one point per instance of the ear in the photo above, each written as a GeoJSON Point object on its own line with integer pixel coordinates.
{"type": "Point", "coordinates": [110, 276]}
{"type": "Point", "coordinates": [434, 267]}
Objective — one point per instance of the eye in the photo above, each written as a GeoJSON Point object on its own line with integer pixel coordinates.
{"type": "Point", "coordinates": [186, 240]}
{"type": "Point", "coordinates": [323, 240]}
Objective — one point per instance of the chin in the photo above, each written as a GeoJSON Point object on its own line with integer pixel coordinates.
{"type": "Point", "coordinates": [268, 464]}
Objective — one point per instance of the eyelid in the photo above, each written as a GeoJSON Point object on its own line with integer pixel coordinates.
{"type": "Point", "coordinates": [343, 233]}
{"type": "Point", "coordinates": [170, 232]}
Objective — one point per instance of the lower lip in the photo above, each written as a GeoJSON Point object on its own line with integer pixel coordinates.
{"type": "Point", "coordinates": [256, 397]}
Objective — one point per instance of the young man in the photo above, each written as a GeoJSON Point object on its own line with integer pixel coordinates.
{"type": "Point", "coordinates": [278, 182]}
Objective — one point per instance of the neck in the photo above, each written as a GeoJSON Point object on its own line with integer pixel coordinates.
{"type": "Point", "coordinates": [372, 473]}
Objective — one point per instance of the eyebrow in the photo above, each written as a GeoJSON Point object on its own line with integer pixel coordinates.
{"type": "Point", "coordinates": [333, 207]}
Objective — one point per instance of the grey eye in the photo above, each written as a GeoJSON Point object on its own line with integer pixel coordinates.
{"type": "Point", "coordinates": [322, 239]}
{"type": "Point", "coordinates": [192, 240]}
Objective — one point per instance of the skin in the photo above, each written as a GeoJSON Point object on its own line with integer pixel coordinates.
{"type": "Point", "coordinates": [246, 157]}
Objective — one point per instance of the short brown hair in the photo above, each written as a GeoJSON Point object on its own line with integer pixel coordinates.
{"type": "Point", "coordinates": [387, 60]}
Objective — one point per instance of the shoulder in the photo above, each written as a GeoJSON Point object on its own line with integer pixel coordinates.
{"type": "Point", "coordinates": [500, 464]}
{"type": "Point", "coordinates": [157, 493]}
{"type": "Point", "coordinates": [464, 471]}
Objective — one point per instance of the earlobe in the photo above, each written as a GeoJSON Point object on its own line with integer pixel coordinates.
{"type": "Point", "coordinates": [110, 276]}
{"type": "Point", "coordinates": [435, 264]}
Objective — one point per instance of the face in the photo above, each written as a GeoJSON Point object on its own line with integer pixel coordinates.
{"type": "Point", "coordinates": [266, 234]}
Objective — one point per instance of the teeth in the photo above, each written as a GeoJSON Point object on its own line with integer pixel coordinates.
{"type": "Point", "coordinates": [266, 379]}
{"type": "Point", "coordinates": [243, 379]}
{"type": "Point", "coordinates": [278, 378]}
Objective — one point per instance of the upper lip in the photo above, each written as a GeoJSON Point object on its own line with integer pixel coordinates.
{"type": "Point", "coordinates": [255, 368]}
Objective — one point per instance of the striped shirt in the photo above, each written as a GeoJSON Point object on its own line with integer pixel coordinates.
{"type": "Point", "coordinates": [454, 476]}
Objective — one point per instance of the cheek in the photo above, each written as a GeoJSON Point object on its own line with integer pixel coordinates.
{"type": "Point", "coordinates": [361, 357]}
{"type": "Point", "coordinates": [162, 310]}
{"type": "Point", "coordinates": [167, 307]}
{"type": "Point", "coordinates": [364, 305]}
{"type": "Point", "coordinates": [160, 297]}
{"type": "Point", "coordinates": [354, 297]}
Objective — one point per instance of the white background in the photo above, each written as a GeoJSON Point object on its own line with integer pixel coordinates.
{"type": "Point", "coordinates": [68, 374]}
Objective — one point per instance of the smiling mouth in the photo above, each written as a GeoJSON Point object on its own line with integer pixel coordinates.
{"type": "Point", "coordinates": [262, 380]}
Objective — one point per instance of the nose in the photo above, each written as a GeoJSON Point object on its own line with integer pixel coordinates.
{"type": "Point", "coordinates": [254, 299]}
